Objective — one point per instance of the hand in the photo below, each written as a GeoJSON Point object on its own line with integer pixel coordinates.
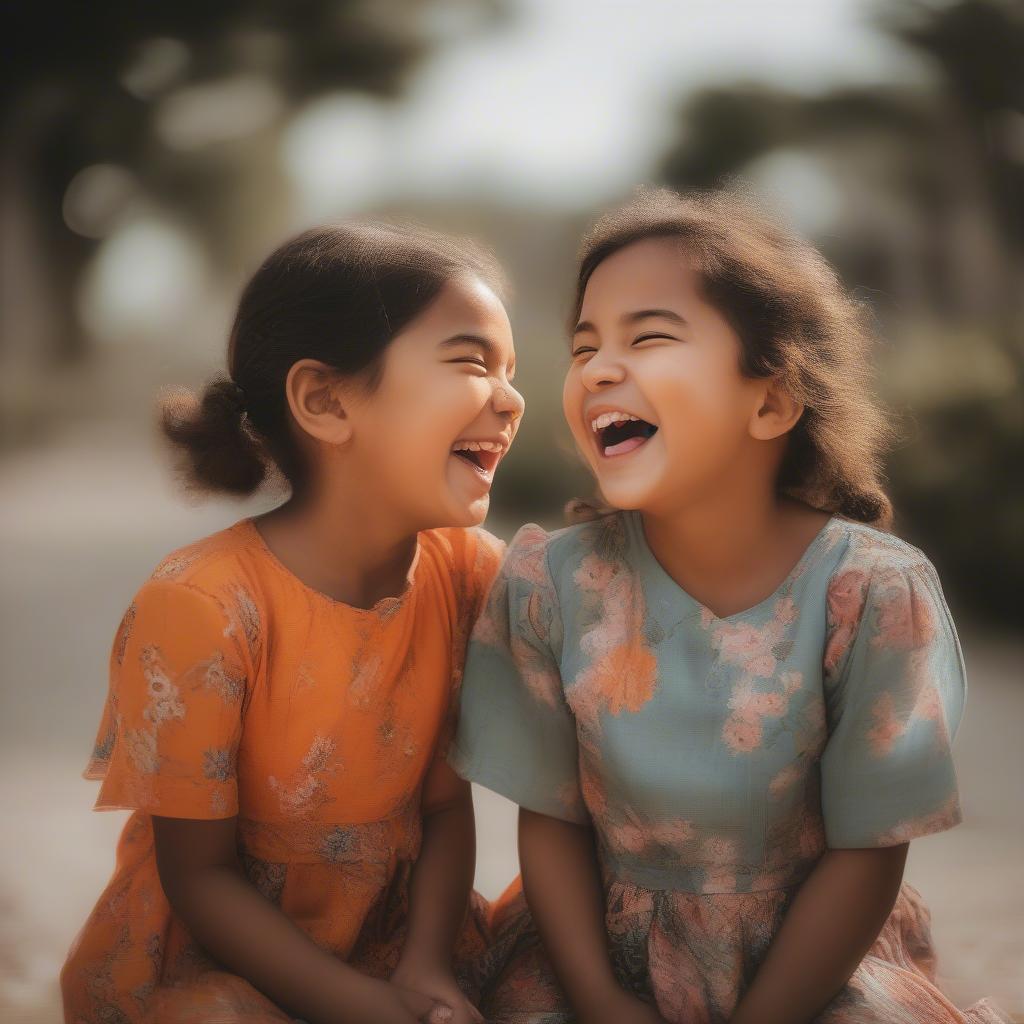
{"type": "Point", "coordinates": [380, 1002]}
{"type": "Point", "coordinates": [436, 982]}
{"type": "Point", "coordinates": [623, 1008]}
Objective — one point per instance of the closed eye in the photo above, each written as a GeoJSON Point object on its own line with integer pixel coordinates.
{"type": "Point", "coordinates": [583, 348]}
{"type": "Point", "coordinates": [649, 337]}
{"type": "Point", "coordinates": [471, 361]}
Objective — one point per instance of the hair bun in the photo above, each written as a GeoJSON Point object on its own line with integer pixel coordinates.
{"type": "Point", "coordinates": [218, 450]}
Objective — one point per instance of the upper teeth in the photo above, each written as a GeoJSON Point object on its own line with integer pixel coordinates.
{"type": "Point", "coordinates": [606, 419]}
{"type": "Point", "coordinates": [478, 446]}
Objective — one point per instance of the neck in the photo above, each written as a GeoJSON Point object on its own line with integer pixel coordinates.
{"type": "Point", "coordinates": [731, 545]}
{"type": "Point", "coordinates": [716, 535]}
{"type": "Point", "coordinates": [337, 545]}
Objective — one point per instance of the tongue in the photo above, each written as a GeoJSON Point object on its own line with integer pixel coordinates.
{"type": "Point", "coordinates": [622, 447]}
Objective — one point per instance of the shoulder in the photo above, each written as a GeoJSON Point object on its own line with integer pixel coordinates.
{"type": "Point", "coordinates": [886, 589]}
{"type": "Point", "coordinates": [557, 556]}
{"type": "Point", "coordinates": [212, 583]}
{"type": "Point", "coordinates": [207, 564]}
{"type": "Point", "coordinates": [870, 561]}
{"type": "Point", "coordinates": [467, 552]}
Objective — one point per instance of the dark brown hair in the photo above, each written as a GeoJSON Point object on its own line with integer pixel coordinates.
{"type": "Point", "coordinates": [337, 294]}
{"type": "Point", "coordinates": [795, 322]}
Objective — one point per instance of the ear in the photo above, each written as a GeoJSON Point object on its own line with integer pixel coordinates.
{"type": "Point", "coordinates": [777, 412]}
{"type": "Point", "coordinates": [317, 400]}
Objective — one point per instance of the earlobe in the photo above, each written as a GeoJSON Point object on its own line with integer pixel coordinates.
{"type": "Point", "coordinates": [777, 413]}
{"type": "Point", "coordinates": [314, 396]}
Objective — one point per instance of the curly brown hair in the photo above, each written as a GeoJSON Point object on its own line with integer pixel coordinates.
{"type": "Point", "coordinates": [795, 322]}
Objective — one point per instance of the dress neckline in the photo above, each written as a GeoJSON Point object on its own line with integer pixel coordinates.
{"type": "Point", "coordinates": [386, 606]}
{"type": "Point", "coordinates": [671, 597]}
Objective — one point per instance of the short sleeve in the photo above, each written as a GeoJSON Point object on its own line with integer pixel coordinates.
{"type": "Point", "coordinates": [516, 734]}
{"type": "Point", "coordinates": [168, 741]}
{"type": "Point", "coordinates": [894, 688]}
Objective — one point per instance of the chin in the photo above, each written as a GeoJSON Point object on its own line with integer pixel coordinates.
{"type": "Point", "coordinates": [622, 495]}
{"type": "Point", "coordinates": [468, 515]}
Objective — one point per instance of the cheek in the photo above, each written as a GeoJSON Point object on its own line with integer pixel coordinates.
{"type": "Point", "coordinates": [700, 401]}
{"type": "Point", "coordinates": [572, 401]}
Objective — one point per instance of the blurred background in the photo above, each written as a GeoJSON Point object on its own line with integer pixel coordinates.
{"type": "Point", "coordinates": [152, 154]}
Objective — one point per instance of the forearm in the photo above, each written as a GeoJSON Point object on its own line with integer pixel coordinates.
{"type": "Point", "coordinates": [563, 889]}
{"type": "Point", "coordinates": [442, 879]}
{"type": "Point", "coordinates": [833, 921]}
{"type": "Point", "coordinates": [255, 940]}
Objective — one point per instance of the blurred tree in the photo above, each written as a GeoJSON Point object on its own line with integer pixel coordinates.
{"type": "Point", "coordinates": [929, 223]}
{"type": "Point", "coordinates": [188, 99]}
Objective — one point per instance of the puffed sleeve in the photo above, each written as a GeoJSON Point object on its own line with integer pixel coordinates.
{"type": "Point", "coordinates": [171, 726]}
{"type": "Point", "coordinates": [516, 734]}
{"type": "Point", "coordinates": [894, 693]}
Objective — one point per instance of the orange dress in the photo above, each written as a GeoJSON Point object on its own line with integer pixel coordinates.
{"type": "Point", "coordinates": [237, 690]}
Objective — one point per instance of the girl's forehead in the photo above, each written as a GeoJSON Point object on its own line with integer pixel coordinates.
{"type": "Point", "coordinates": [651, 272]}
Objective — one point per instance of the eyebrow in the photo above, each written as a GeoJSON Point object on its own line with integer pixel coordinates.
{"type": "Point", "coordinates": [474, 339]}
{"type": "Point", "coordinates": [635, 317]}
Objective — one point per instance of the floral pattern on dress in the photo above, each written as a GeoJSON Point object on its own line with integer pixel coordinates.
{"type": "Point", "coordinates": [236, 691]}
{"type": "Point", "coordinates": [718, 758]}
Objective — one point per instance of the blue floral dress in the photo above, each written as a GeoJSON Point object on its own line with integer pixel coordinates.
{"type": "Point", "coordinates": [718, 758]}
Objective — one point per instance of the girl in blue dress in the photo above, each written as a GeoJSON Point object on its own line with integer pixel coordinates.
{"type": "Point", "coordinates": [725, 700]}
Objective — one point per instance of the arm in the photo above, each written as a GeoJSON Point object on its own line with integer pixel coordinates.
{"type": "Point", "coordinates": [835, 917]}
{"type": "Point", "coordinates": [442, 879]}
{"type": "Point", "coordinates": [205, 886]}
{"type": "Point", "coordinates": [563, 890]}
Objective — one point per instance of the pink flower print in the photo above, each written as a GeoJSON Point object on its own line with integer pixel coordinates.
{"type": "Point", "coordinates": [718, 849]}
{"type": "Point", "coordinates": [678, 977]}
{"type": "Point", "coordinates": [762, 666]}
{"type": "Point", "coordinates": [626, 837]}
{"type": "Point", "coordinates": [844, 601]}
{"type": "Point", "coordinates": [785, 778]}
{"type": "Point", "coordinates": [811, 837]}
{"type": "Point", "coordinates": [721, 855]}
{"type": "Point", "coordinates": [887, 728]}
{"type": "Point", "coordinates": [945, 816]}
{"type": "Point", "coordinates": [593, 794]}
{"type": "Point", "coordinates": [746, 646]}
{"type": "Point", "coordinates": [905, 621]}
{"type": "Point", "coordinates": [742, 733]}
{"type": "Point", "coordinates": [540, 677]}
{"type": "Point", "coordinates": [527, 557]}
{"type": "Point", "coordinates": [791, 682]}
{"type": "Point", "coordinates": [786, 613]}
{"type": "Point", "coordinates": [768, 705]}
{"type": "Point", "coordinates": [673, 834]}
{"type": "Point", "coordinates": [594, 574]}
{"type": "Point", "coordinates": [491, 628]}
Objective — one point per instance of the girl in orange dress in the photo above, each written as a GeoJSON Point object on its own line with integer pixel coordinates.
{"type": "Point", "coordinates": [280, 692]}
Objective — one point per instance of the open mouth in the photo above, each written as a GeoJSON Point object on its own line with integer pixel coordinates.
{"type": "Point", "coordinates": [481, 456]}
{"type": "Point", "coordinates": [619, 433]}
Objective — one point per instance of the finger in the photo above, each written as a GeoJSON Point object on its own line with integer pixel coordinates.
{"type": "Point", "coordinates": [418, 1004]}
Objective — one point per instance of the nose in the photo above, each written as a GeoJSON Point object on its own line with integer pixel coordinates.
{"type": "Point", "coordinates": [601, 371]}
{"type": "Point", "coordinates": [508, 402]}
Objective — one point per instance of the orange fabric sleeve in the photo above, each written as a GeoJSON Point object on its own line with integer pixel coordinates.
{"type": "Point", "coordinates": [179, 680]}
